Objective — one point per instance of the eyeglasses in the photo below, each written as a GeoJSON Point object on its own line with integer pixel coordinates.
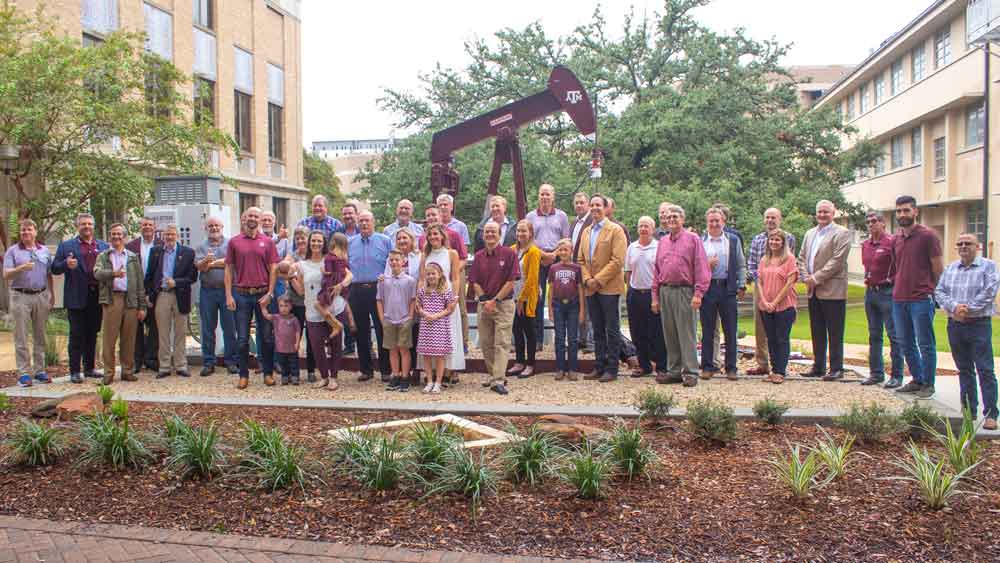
{"type": "Point", "coordinates": [964, 243]}
{"type": "Point", "coordinates": [872, 221]}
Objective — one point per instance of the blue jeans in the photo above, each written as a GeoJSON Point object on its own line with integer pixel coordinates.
{"type": "Point", "coordinates": [543, 282]}
{"type": "Point", "coordinates": [972, 348]}
{"type": "Point", "coordinates": [289, 366]}
{"type": "Point", "coordinates": [915, 327]}
{"type": "Point", "coordinates": [247, 308]}
{"type": "Point", "coordinates": [778, 326]}
{"type": "Point", "coordinates": [212, 311]}
{"type": "Point", "coordinates": [607, 332]}
{"type": "Point", "coordinates": [566, 317]}
{"type": "Point", "coordinates": [878, 310]}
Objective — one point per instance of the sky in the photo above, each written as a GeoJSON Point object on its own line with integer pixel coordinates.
{"type": "Point", "coordinates": [351, 51]}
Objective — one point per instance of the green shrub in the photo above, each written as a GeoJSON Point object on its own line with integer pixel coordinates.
{"type": "Point", "coordinates": [627, 450]}
{"type": "Point", "coordinates": [259, 439]}
{"type": "Point", "coordinates": [962, 449]}
{"type": "Point", "coordinates": [770, 411]}
{"type": "Point", "coordinates": [106, 393]}
{"type": "Point", "coordinates": [529, 458]}
{"type": "Point", "coordinates": [918, 416]}
{"type": "Point", "coordinates": [30, 443]}
{"type": "Point", "coordinates": [108, 440]}
{"type": "Point", "coordinates": [469, 475]}
{"type": "Point", "coordinates": [711, 420]}
{"type": "Point", "coordinates": [428, 447]}
{"type": "Point", "coordinates": [5, 404]}
{"type": "Point", "coordinates": [654, 404]}
{"type": "Point", "coordinates": [280, 466]}
{"type": "Point", "coordinates": [834, 456]}
{"type": "Point", "coordinates": [936, 485]}
{"type": "Point", "coordinates": [588, 471]}
{"type": "Point", "coordinates": [173, 427]}
{"type": "Point", "coordinates": [870, 423]}
{"type": "Point", "coordinates": [119, 409]}
{"type": "Point", "coordinates": [196, 452]}
{"type": "Point", "coordinates": [800, 475]}
{"type": "Point", "coordinates": [381, 465]}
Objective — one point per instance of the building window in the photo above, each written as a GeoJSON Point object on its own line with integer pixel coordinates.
{"type": "Point", "coordinates": [863, 98]}
{"type": "Point", "coordinates": [916, 146]}
{"type": "Point", "coordinates": [896, 78]}
{"type": "Point", "coordinates": [942, 48]}
{"type": "Point", "coordinates": [246, 202]}
{"type": "Point", "coordinates": [896, 152]}
{"type": "Point", "coordinates": [280, 207]}
{"type": "Point", "coordinates": [243, 70]}
{"type": "Point", "coordinates": [974, 125]}
{"type": "Point", "coordinates": [939, 158]}
{"type": "Point", "coordinates": [159, 32]}
{"type": "Point", "coordinates": [204, 54]}
{"type": "Point", "coordinates": [850, 106]}
{"type": "Point", "coordinates": [975, 220]}
{"type": "Point", "coordinates": [977, 18]}
{"type": "Point", "coordinates": [879, 89]}
{"type": "Point", "coordinates": [204, 101]}
{"type": "Point", "coordinates": [918, 64]}
{"type": "Point", "coordinates": [203, 13]}
{"type": "Point", "coordinates": [880, 164]}
{"type": "Point", "coordinates": [275, 132]}
{"type": "Point", "coordinates": [99, 15]}
{"type": "Point", "coordinates": [157, 93]}
{"type": "Point", "coordinates": [243, 106]}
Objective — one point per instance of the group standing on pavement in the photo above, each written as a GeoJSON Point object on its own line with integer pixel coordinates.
{"type": "Point", "coordinates": [336, 282]}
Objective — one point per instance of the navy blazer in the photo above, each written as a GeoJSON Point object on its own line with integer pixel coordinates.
{"type": "Point", "coordinates": [76, 282]}
{"type": "Point", "coordinates": [736, 271]}
{"type": "Point", "coordinates": [185, 274]}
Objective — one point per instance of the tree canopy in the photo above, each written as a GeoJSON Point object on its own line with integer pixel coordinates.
{"type": "Point", "coordinates": [94, 123]}
{"type": "Point", "coordinates": [685, 114]}
{"type": "Point", "coordinates": [321, 179]}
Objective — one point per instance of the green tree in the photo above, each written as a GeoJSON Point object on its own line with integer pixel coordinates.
{"type": "Point", "coordinates": [94, 123]}
{"type": "Point", "coordinates": [321, 179]}
{"type": "Point", "coordinates": [685, 114]}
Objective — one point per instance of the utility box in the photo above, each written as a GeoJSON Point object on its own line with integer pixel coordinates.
{"type": "Point", "coordinates": [176, 190]}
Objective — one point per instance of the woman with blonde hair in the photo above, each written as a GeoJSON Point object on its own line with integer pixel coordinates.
{"type": "Point", "coordinates": [776, 300]}
{"type": "Point", "coordinates": [526, 293]}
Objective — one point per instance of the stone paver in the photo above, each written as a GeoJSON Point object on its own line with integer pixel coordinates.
{"type": "Point", "coordinates": [30, 540]}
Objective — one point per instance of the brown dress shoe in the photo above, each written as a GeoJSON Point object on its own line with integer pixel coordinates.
{"type": "Point", "coordinates": [990, 424]}
{"type": "Point", "coordinates": [244, 382]}
{"type": "Point", "coordinates": [758, 371]}
{"type": "Point", "coordinates": [732, 375]}
{"type": "Point", "coordinates": [571, 376]}
{"type": "Point", "coordinates": [109, 378]}
{"type": "Point", "coordinates": [608, 377]}
{"type": "Point", "coordinates": [592, 376]}
{"type": "Point", "coordinates": [706, 375]}
{"type": "Point", "coordinates": [129, 377]}
{"type": "Point", "coordinates": [689, 380]}
{"type": "Point", "coordinates": [666, 378]}
{"type": "Point", "coordinates": [269, 380]}
{"type": "Point", "coordinates": [560, 375]}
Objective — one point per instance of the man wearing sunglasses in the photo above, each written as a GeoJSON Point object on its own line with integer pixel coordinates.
{"type": "Point", "coordinates": [876, 256]}
{"type": "Point", "coordinates": [967, 291]}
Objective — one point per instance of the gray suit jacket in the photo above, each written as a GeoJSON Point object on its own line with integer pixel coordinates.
{"type": "Point", "coordinates": [830, 264]}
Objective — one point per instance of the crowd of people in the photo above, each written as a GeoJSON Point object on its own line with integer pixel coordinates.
{"type": "Point", "coordinates": [339, 281]}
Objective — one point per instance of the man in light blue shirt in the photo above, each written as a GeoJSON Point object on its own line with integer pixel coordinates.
{"type": "Point", "coordinates": [368, 253]}
{"type": "Point", "coordinates": [404, 218]}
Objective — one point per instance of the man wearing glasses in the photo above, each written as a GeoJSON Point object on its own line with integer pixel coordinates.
{"type": "Point", "coordinates": [876, 256]}
{"type": "Point", "coordinates": [966, 291]}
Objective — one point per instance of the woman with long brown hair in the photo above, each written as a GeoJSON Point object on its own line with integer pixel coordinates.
{"type": "Point", "coordinates": [437, 251]}
{"type": "Point", "coordinates": [776, 300]}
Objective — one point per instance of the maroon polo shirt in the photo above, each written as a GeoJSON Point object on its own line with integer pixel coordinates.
{"type": "Point", "coordinates": [876, 256]}
{"type": "Point", "coordinates": [493, 269]}
{"type": "Point", "coordinates": [912, 263]}
{"type": "Point", "coordinates": [251, 259]}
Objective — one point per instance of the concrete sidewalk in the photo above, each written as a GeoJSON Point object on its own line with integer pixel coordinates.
{"type": "Point", "coordinates": [25, 539]}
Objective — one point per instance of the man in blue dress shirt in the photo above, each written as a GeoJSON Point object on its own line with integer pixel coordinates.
{"type": "Point", "coordinates": [368, 252]}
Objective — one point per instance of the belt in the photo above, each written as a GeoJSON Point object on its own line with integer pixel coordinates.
{"type": "Point", "coordinates": [887, 285]}
{"type": "Point", "coordinates": [365, 284]}
{"type": "Point", "coordinates": [28, 291]}
{"type": "Point", "coordinates": [508, 298]}
{"type": "Point", "coordinates": [568, 301]}
{"type": "Point", "coordinates": [251, 290]}
{"type": "Point", "coordinates": [167, 289]}
{"type": "Point", "coordinates": [118, 291]}
{"type": "Point", "coordinates": [641, 290]}
{"type": "Point", "coordinates": [970, 320]}
{"type": "Point", "coordinates": [679, 285]}
{"type": "Point", "coordinates": [720, 280]}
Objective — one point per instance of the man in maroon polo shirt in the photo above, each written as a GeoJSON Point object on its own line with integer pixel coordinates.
{"type": "Point", "coordinates": [493, 274]}
{"type": "Point", "coordinates": [876, 257]}
{"type": "Point", "coordinates": [917, 266]}
{"type": "Point", "coordinates": [251, 272]}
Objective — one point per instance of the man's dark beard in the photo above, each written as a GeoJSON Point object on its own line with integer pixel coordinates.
{"type": "Point", "coordinates": [905, 222]}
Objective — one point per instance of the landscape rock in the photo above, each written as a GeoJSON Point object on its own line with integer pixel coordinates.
{"type": "Point", "coordinates": [47, 408]}
{"type": "Point", "coordinates": [80, 404]}
{"type": "Point", "coordinates": [573, 433]}
{"type": "Point", "coordinates": [557, 419]}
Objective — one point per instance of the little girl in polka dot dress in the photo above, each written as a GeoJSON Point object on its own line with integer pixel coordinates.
{"type": "Point", "coordinates": [435, 301]}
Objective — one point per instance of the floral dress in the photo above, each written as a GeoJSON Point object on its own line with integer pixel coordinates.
{"type": "Point", "coordinates": [435, 336]}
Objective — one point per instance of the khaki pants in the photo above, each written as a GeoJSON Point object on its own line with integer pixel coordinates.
{"type": "Point", "coordinates": [678, 320]}
{"type": "Point", "coordinates": [760, 337]}
{"type": "Point", "coordinates": [119, 324]}
{"type": "Point", "coordinates": [494, 339]}
{"type": "Point", "coordinates": [170, 324]}
{"type": "Point", "coordinates": [29, 309]}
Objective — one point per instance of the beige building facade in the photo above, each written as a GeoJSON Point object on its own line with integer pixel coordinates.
{"type": "Point", "coordinates": [246, 60]}
{"type": "Point", "coordinates": [921, 96]}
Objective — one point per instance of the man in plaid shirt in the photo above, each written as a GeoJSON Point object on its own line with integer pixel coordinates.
{"type": "Point", "coordinates": [320, 221]}
{"type": "Point", "coordinates": [772, 222]}
{"type": "Point", "coordinates": [967, 291]}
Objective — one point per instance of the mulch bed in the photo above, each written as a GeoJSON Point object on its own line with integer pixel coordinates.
{"type": "Point", "coordinates": [703, 503]}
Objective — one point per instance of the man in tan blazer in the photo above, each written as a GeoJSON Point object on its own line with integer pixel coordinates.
{"type": "Point", "coordinates": [823, 267]}
{"type": "Point", "coordinates": [601, 256]}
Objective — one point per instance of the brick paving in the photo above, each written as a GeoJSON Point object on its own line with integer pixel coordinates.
{"type": "Point", "coordinates": [26, 540]}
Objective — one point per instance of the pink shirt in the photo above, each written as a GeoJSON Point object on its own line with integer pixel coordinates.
{"type": "Point", "coordinates": [773, 278]}
{"type": "Point", "coordinates": [681, 260]}
{"type": "Point", "coordinates": [251, 259]}
{"type": "Point", "coordinates": [286, 333]}
{"type": "Point", "coordinates": [118, 260]}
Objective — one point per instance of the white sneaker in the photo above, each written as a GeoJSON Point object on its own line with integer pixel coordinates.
{"type": "Point", "coordinates": [436, 390]}
{"type": "Point", "coordinates": [429, 388]}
